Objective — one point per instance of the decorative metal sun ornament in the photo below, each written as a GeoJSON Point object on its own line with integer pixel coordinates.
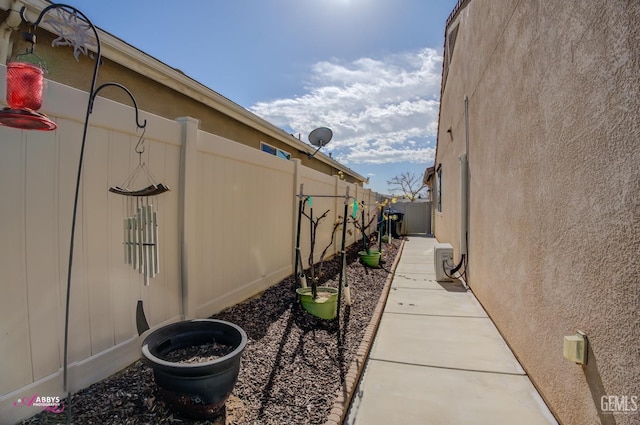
{"type": "Point", "coordinates": [73, 31]}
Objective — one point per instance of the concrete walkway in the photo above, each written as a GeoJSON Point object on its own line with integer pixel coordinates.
{"type": "Point", "coordinates": [438, 359]}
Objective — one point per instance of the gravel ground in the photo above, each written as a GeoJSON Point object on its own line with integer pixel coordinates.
{"type": "Point", "coordinates": [292, 366]}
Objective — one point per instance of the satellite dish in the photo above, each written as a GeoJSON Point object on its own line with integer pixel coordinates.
{"type": "Point", "coordinates": [320, 136]}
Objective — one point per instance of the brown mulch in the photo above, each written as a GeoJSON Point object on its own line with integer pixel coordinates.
{"type": "Point", "coordinates": [198, 353]}
{"type": "Point", "coordinates": [292, 367]}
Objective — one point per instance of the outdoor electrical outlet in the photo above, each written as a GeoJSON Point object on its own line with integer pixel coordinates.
{"type": "Point", "coordinates": [575, 348]}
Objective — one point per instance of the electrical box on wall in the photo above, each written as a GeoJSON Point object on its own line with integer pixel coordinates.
{"type": "Point", "coordinates": [443, 260]}
{"type": "Point", "coordinates": [575, 348]}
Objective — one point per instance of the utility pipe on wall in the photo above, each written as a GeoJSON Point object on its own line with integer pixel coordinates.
{"type": "Point", "coordinates": [464, 183]}
{"type": "Point", "coordinates": [464, 207]}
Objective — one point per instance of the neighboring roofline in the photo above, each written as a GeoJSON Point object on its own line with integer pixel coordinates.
{"type": "Point", "coordinates": [428, 174]}
{"type": "Point", "coordinates": [138, 61]}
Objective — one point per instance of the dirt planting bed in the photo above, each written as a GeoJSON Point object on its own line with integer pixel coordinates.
{"type": "Point", "coordinates": [292, 367]}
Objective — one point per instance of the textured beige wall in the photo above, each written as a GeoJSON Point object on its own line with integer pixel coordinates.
{"type": "Point", "coordinates": [554, 106]}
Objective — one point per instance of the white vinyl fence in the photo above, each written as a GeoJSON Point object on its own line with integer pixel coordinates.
{"type": "Point", "coordinates": [416, 219]}
{"type": "Point", "coordinates": [226, 232]}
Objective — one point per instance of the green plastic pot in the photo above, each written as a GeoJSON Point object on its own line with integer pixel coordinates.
{"type": "Point", "coordinates": [372, 259]}
{"type": "Point", "coordinates": [325, 306]}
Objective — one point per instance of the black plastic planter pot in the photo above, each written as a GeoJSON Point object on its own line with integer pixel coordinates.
{"type": "Point", "coordinates": [195, 390]}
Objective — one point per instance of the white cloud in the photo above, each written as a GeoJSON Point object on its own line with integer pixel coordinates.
{"type": "Point", "coordinates": [388, 155]}
{"type": "Point", "coordinates": [380, 110]}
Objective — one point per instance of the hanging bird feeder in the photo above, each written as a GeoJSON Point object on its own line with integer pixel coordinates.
{"type": "Point", "coordinates": [25, 85]}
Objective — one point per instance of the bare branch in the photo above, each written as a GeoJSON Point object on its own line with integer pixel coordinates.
{"type": "Point", "coordinates": [410, 185]}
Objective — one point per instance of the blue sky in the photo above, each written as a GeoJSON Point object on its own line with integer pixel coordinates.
{"type": "Point", "coordinates": [368, 69]}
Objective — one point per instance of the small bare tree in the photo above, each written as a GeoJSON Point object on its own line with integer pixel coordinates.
{"type": "Point", "coordinates": [411, 186]}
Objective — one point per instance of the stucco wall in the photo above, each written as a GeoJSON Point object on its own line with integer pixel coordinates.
{"type": "Point", "coordinates": [554, 241]}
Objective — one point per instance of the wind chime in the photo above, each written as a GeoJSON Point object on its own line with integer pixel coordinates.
{"type": "Point", "coordinates": [141, 220]}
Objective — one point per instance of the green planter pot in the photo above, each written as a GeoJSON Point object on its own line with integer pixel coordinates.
{"type": "Point", "coordinates": [325, 306]}
{"type": "Point", "coordinates": [372, 259]}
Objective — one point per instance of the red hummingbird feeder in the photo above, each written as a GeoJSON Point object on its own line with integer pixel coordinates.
{"type": "Point", "coordinates": [25, 84]}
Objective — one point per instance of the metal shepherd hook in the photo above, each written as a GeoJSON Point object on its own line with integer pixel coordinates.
{"type": "Point", "coordinates": [74, 14]}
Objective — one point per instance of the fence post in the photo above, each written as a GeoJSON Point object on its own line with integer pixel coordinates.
{"type": "Point", "coordinates": [294, 205]}
{"type": "Point", "coordinates": [338, 205]}
{"type": "Point", "coordinates": [187, 210]}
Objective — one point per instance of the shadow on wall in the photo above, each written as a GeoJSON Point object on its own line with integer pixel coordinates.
{"type": "Point", "coordinates": [596, 387]}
